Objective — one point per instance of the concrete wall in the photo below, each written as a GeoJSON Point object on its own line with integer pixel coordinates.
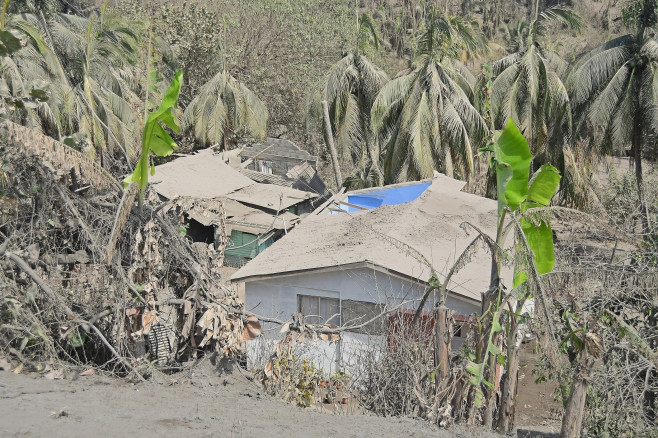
{"type": "Point", "coordinates": [277, 298]}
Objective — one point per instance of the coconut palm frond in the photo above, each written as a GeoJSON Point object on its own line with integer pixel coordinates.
{"type": "Point", "coordinates": [225, 106]}
{"type": "Point", "coordinates": [594, 70]}
{"type": "Point", "coordinates": [368, 31]}
{"type": "Point", "coordinates": [435, 123]}
{"type": "Point", "coordinates": [605, 105]}
{"type": "Point", "coordinates": [503, 64]}
{"type": "Point", "coordinates": [548, 18]}
{"type": "Point", "coordinates": [393, 92]}
{"type": "Point", "coordinates": [614, 87]}
{"type": "Point", "coordinates": [256, 115]}
{"type": "Point", "coordinates": [349, 88]}
{"type": "Point", "coordinates": [527, 86]}
{"type": "Point", "coordinates": [450, 37]}
{"type": "Point", "coordinates": [500, 94]}
{"type": "Point", "coordinates": [457, 136]}
{"type": "Point", "coordinates": [374, 78]}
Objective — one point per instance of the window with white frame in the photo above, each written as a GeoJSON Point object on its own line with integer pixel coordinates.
{"type": "Point", "coordinates": [319, 310]}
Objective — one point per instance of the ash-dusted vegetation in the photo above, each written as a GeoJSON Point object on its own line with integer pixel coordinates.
{"type": "Point", "coordinates": [548, 107]}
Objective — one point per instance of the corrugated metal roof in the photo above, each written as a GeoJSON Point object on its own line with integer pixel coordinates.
{"type": "Point", "coordinates": [308, 179]}
{"type": "Point", "coordinates": [277, 148]}
{"type": "Point", "coordinates": [267, 178]}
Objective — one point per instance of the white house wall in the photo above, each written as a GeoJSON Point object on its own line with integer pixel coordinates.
{"type": "Point", "coordinates": [277, 298]}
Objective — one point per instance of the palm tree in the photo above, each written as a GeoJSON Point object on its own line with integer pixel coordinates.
{"type": "Point", "coordinates": [27, 67]}
{"type": "Point", "coordinates": [95, 93]}
{"type": "Point", "coordinates": [350, 88]}
{"type": "Point", "coordinates": [527, 86]}
{"type": "Point", "coordinates": [223, 107]}
{"type": "Point", "coordinates": [425, 117]}
{"type": "Point", "coordinates": [613, 90]}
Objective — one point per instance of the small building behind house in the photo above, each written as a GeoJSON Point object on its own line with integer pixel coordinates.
{"type": "Point", "coordinates": [276, 156]}
{"type": "Point", "coordinates": [301, 177]}
{"type": "Point", "coordinates": [255, 214]}
{"type": "Point", "coordinates": [345, 263]}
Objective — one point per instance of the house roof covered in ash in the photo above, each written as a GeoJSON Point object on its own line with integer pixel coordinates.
{"type": "Point", "coordinates": [274, 148]}
{"type": "Point", "coordinates": [236, 216]}
{"type": "Point", "coordinates": [393, 238]}
{"type": "Point", "coordinates": [205, 175]}
{"type": "Point", "coordinates": [270, 196]}
{"type": "Point", "coordinates": [267, 178]}
{"type": "Point", "coordinates": [239, 217]}
{"type": "Point", "coordinates": [202, 175]}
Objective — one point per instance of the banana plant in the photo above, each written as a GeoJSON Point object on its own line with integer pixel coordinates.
{"type": "Point", "coordinates": [155, 140]}
{"type": "Point", "coordinates": [518, 194]}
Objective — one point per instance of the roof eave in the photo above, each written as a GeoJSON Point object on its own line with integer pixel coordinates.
{"type": "Point", "coordinates": [341, 267]}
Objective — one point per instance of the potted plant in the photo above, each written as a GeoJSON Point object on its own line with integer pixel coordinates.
{"type": "Point", "coordinates": [339, 378]}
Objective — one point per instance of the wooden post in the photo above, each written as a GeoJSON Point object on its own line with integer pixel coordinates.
{"type": "Point", "coordinates": [330, 145]}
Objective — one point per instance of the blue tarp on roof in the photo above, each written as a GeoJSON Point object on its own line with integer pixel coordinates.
{"type": "Point", "coordinates": [384, 196]}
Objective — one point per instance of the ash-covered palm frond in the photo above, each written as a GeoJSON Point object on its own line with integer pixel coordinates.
{"type": "Point", "coordinates": [427, 122]}
{"type": "Point", "coordinates": [527, 86]}
{"type": "Point", "coordinates": [90, 67]}
{"type": "Point", "coordinates": [368, 33]}
{"type": "Point", "coordinates": [223, 108]}
{"type": "Point", "coordinates": [451, 37]}
{"type": "Point", "coordinates": [548, 19]}
{"type": "Point", "coordinates": [425, 119]}
{"type": "Point", "coordinates": [349, 88]}
{"type": "Point", "coordinates": [32, 66]}
{"type": "Point", "coordinates": [97, 91]}
{"type": "Point", "coordinates": [614, 91]}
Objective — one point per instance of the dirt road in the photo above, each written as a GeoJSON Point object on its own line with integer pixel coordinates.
{"type": "Point", "coordinates": [196, 405]}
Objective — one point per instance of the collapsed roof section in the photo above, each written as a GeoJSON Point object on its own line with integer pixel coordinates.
{"type": "Point", "coordinates": [250, 220]}
{"type": "Point", "coordinates": [249, 206]}
{"type": "Point", "coordinates": [205, 175]}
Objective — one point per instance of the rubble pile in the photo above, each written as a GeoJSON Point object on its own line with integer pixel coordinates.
{"type": "Point", "coordinates": [88, 278]}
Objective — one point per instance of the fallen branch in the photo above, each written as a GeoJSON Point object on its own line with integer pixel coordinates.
{"type": "Point", "coordinates": [23, 266]}
{"type": "Point", "coordinates": [3, 247]}
{"type": "Point", "coordinates": [112, 350]}
{"type": "Point", "coordinates": [85, 228]}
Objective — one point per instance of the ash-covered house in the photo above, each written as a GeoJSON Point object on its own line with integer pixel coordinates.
{"type": "Point", "coordinates": [276, 156]}
{"type": "Point", "coordinates": [362, 252]}
{"type": "Point", "coordinates": [256, 214]}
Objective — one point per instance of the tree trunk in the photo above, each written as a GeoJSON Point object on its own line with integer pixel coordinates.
{"type": "Point", "coordinates": [509, 384]}
{"type": "Point", "coordinates": [490, 393]}
{"type": "Point", "coordinates": [572, 422]}
{"type": "Point", "coordinates": [449, 168]}
{"type": "Point", "coordinates": [637, 152]}
{"type": "Point", "coordinates": [374, 160]}
{"type": "Point", "coordinates": [442, 340]}
{"type": "Point", "coordinates": [330, 144]}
